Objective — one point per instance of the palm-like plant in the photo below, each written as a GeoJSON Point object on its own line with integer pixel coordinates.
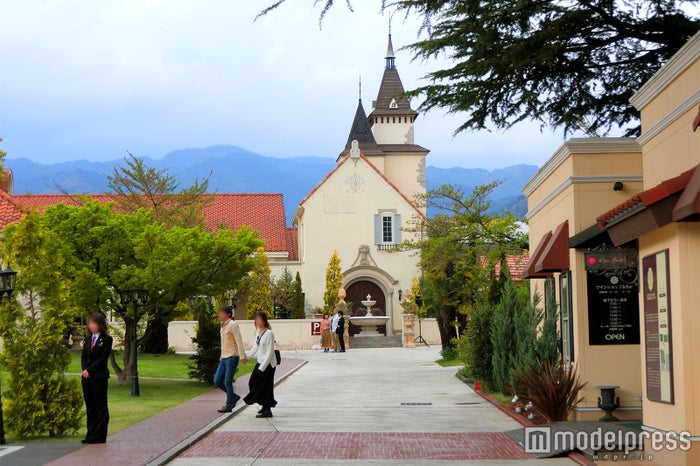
{"type": "Point", "coordinates": [552, 388]}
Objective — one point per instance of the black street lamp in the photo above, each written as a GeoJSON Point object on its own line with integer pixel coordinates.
{"type": "Point", "coordinates": [230, 299]}
{"type": "Point", "coordinates": [7, 287]}
{"type": "Point", "coordinates": [136, 296]}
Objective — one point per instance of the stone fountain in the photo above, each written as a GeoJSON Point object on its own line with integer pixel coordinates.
{"type": "Point", "coordinates": [369, 322]}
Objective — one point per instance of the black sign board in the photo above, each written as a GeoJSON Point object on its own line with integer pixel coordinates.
{"type": "Point", "coordinates": [613, 307]}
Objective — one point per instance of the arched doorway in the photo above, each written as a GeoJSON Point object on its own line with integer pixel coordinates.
{"type": "Point", "coordinates": [356, 293]}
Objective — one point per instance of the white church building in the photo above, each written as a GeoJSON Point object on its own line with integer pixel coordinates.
{"type": "Point", "coordinates": [363, 206]}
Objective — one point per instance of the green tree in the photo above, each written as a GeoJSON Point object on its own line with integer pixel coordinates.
{"type": "Point", "coordinates": [503, 336]}
{"type": "Point", "coordinates": [334, 281]}
{"type": "Point", "coordinates": [568, 64]}
{"type": "Point", "coordinates": [547, 348]}
{"type": "Point", "coordinates": [134, 186]}
{"type": "Point", "coordinates": [96, 252]}
{"type": "Point", "coordinates": [259, 287]}
{"type": "Point", "coordinates": [299, 310]}
{"type": "Point", "coordinates": [38, 399]}
{"type": "Point", "coordinates": [208, 341]}
{"type": "Point", "coordinates": [464, 241]}
{"type": "Point", "coordinates": [283, 293]}
{"type": "Point", "coordinates": [477, 350]}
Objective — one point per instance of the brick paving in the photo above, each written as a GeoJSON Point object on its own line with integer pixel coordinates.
{"type": "Point", "coordinates": [358, 446]}
{"type": "Point", "coordinates": [388, 406]}
{"type": "Point", "coordinates": [147, 440]}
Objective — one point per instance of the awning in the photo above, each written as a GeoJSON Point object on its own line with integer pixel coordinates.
{"type": "Point", "coordinates": [672, 200]}
{"type": "Point", "coordinates": [590, 238]}
{"type": "Point", "coordinates": [689, 203]}
{"type": "Point", "coordinates": [530, 269]}
{"type": "Point", "coordinates": [551, 254]}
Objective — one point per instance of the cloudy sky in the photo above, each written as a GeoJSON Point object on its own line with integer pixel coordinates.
{"type": "Point", "coordinates": [86, 79]}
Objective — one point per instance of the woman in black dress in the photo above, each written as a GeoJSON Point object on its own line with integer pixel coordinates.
{"type": "Point", "coordinates": [261, 384]}
{"type": "Point", "coordinates": [96, 350]}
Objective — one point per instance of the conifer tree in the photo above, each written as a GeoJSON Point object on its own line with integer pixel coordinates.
{"type": "Point", "coordinates": [334, 281]}
{"type": "Point", "coordinates": [259, 289]}
{"type": "Point", "coordinates": [298, 312]}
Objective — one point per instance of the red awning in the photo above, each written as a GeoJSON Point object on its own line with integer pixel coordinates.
{"type": "Point", "coordinates": [674, 199]}
{"type": "Point", "coordinates": [555, 256]}
{"type": "Point", "coordinates": [530, 269]}
{"type": "Point", "coordinates": [551, 254]}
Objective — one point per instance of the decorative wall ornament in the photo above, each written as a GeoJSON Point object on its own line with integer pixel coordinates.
{"type": "Point", "coordinates": [355, 183]}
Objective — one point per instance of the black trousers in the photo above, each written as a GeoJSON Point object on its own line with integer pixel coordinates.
{"type": "Point", "coordinates": [95, 394]}
{"type": "Point", "coordinates": [342, 341]}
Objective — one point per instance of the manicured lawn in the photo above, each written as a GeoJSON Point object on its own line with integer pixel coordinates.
{"type": "Point", "coordinates": [171, 366]}
{"type": "Point", "coordinates": [449, 362]}
{"type": "Point", "coordinates": [160, 390]}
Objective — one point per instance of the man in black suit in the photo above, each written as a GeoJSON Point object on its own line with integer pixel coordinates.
{"type": "Point", "coordinates": [97, 347]}
{"type": "Point", "coordinates": [340, 331]}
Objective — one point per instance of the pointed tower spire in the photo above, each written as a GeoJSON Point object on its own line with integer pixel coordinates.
{"type": "Point", "coordinates": [362, 133]}
{"type": "Point", "coordinates": [390, 57]}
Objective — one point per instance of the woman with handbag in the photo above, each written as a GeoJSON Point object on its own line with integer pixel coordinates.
{"type": "Point", "coordinates": [261, 384]}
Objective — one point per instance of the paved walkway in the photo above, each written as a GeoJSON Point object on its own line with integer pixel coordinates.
{"type": "Point", "coordinates": [148, 441]}
{"type": "Point", "coordinates": [378, 406]}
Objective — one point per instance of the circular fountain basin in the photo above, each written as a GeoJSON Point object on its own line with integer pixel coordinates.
{"type": "Point", "coordinates": [369, 324]}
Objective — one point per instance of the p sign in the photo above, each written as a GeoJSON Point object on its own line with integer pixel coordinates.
{"type": "Point", "coordinates": [315, 328]}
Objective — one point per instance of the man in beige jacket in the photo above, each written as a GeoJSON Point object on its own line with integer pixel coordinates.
{"type": "Point", "coordinates": [232, 352]}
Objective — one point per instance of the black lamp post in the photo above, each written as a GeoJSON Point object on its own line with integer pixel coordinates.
{"type": "Point", "coordinates": [230, 300]}
{"type": "Point", "coordinates": [7, 287]}
{"type": "Point", "coordinates": [136, 296]}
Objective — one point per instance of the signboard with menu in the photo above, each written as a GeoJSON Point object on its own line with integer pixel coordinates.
{"type": "Point", "coordinates": [613, 296]}
{"type": "Point", "coordinates": [657, 327]}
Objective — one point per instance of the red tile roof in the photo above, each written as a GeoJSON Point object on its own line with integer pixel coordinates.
{"type": "Point", "coordinates": [261, 212]}
{"type": "Point", "coordinates": [340, 164]}
{"type": "Point", "coordinates": [9, 211]}
{"type": "Point", "coordinates": [646, 198]}
{"type": "Point", "coordinates": [517, 265]}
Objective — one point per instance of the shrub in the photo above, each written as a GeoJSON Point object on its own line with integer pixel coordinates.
{"type": "Point", "coordinates": [38, 399]}
{"type": "Point", "coordinates": [208, 342]}
{"type": "Point", "coordinates": [547, 348]}
{"type": "Point", "coordinates": [503, 336]}
{"type": "Point", "coordinates": [475, 348]}
{"type": "Point", "coordinates": [449, 353]}
{"type": "Point", "coordinates": [552, 388]}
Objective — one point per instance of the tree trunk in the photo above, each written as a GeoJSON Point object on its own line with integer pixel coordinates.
{"type": "Point", "coordinates": [124, 374]}
{"type": "Point", "coordinates": [445, 320]}
{"type": "Point", "coordinates": [155, 339]}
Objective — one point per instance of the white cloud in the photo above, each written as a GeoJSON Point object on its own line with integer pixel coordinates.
{"type": "Point", "coordinates": [89, 79]}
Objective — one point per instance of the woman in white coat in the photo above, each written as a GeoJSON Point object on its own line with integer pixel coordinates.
{"type": "Point", "coordinates": [261, 384]}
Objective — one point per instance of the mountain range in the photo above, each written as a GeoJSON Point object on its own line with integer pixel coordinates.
{"type": "Point", "coordinates": [236, 170]}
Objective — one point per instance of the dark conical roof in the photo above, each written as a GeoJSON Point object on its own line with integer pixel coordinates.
{"type": "Point", "coordinates": [361, 132]}
{"type": "Point", "coordinates": [360, 126]}
{"type": "Point", "coordinates": [390, 90]}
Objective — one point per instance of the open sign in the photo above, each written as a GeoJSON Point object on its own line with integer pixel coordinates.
{"type": "Point", "coordinates": [315, 328]}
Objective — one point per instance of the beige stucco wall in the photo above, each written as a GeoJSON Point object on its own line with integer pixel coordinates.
{"type": "Point", "coordinates": [579, 190]}
{"type": "Point", "coordinates": [407, 171]}
{"type": "Point", "coordinates": [291, 334]}
{"type": "Point", "coordinates": [393, 130]}
{"type": "Point", "coordinates": [336, 218]}
{"type": "Point", "coordinates": [668, 104]}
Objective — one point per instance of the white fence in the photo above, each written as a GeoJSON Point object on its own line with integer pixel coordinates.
{"type": "Point", "coordinates": [291, 334]}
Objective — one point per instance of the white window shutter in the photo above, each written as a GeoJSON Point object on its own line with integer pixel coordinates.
{"type": "Point", "coordinates": [377, 229]}
{"type": "Point", "coordinates": [397, 229]}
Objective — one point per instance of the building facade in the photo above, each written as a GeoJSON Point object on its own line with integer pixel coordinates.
{"type": "Point", "coordinates": [365, 208]}
{"type": "Point", "coordinates": [620, 253]}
